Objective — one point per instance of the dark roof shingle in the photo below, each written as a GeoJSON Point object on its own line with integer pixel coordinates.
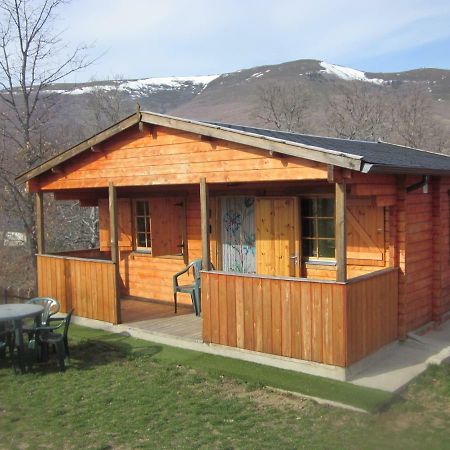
{"type": "Point", "coordinates": [381, 154]}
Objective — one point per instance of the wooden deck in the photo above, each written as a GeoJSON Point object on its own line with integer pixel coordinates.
{"type": "Point", "coordinates": [158, 317]}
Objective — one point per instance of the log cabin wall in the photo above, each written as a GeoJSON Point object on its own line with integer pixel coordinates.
{"type": "Point", "coordinates": [441, 250]}
{"type": "Point", "coordinates": [423, 252]}
{"type": "Point", "coordinates": [415, 305]}
{"type": "Point", "coordinates": [162, 156]}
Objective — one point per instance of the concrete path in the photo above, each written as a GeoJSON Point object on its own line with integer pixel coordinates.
{"type": "Point", "coordinates": [393, 367]}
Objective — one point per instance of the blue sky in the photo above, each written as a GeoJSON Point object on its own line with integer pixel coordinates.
{"type": "Point", "coordinates": [144, 38]}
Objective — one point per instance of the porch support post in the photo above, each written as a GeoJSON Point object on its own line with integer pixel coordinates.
{"type": "Point", "coordinates": [113, 231]}
{"type": "Point", "coordinates": [341, 231]}
{"type": "Point", "coordinates": [204, 211]}
{"type": "Point", "coordinates": [39, 204]}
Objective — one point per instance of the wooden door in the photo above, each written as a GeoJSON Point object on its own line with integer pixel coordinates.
{"type": "Point", "coordinates": [277, 236]}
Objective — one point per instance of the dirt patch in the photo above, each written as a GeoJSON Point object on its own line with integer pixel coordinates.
{"type": "Point", "coordinates": [264, 397]}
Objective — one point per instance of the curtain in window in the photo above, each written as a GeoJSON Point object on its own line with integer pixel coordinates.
{"type": "Point", "coordinates": [238, 234]}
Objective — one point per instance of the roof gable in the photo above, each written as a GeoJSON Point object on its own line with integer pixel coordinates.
{"type": "Point", "coordinates": [158, 155]}
{"type": "Point", "coordinates": [363, 156]}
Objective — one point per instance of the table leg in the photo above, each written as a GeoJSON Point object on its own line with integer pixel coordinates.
{"type": "Point", "coordinates": [19, 344]}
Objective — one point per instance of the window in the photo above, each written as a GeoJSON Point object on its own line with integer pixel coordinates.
{"type": "Point", "coordinates": [143, 235]}
{"type": "Point", "coordinates": [318, 233]}
{"type": "Point", "coordinates": [160, 226]}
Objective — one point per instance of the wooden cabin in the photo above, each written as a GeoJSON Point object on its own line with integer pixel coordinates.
{"type": "Point", "coordinates": [314, 248]}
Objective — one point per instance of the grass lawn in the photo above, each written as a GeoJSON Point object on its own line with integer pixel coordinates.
{"type": "Point", "coordinates": [122, 393]}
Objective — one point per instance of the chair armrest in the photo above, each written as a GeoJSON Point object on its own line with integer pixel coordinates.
{"type": "Point", "coordinates": [55, 319]}
{"type": "Point", "coordinates": [49, 328]}
{"type": "Point", "coordinates": [181, 272]}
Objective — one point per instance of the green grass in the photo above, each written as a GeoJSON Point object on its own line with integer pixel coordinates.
{"type": "Point", "coordinates": [122, 393]}
{"type": "Point", "coordinates": [257, 374]}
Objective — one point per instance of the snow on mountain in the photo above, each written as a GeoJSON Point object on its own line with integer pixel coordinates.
{"type": "Point", "coordinates": [146, 85]}
{"type": "Point", "coordinates": [348, 74]}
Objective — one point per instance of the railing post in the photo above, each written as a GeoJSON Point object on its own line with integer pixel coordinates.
{"type": "Point", "coordinates": [341, 231]}
{"type": "Point", "coordinates": [113, 231]}
{"type": "Point", "coordinates": [39, 204]}
{"type": "Point", "coordinates": [204, 212]}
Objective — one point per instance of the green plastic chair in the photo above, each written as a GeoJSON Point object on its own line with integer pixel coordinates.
{"type": "Point", "coordinates": [6, 340]}
{"type": "Point", "coordinates": [46, 337]}
{"type": "Point", "coordinates": [192, 289]}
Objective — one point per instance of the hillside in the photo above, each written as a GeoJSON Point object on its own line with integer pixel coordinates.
{"type": "Point", "coordinates": [234, 97]}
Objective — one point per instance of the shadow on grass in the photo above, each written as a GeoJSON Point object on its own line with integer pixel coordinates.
{"type": "Point", "coordinates": [87, 353]}
{"type": "Point", "coordinates": [91, 353]}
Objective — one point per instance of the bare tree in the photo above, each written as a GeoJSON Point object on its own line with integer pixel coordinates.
{"type": "Point", "coordinates": [33, 56]}
{"type": "Point", "coordinates": [284, 107]}
{"type": "Point", "coordinates": [108, 103]}
{"type": "Point", "coordinates": [414, 123]}
{"type": "Point", "coordinates": [360, 111]}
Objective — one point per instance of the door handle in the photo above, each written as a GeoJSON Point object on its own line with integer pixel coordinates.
{"type": "Point", "coordinates": [295, 258]}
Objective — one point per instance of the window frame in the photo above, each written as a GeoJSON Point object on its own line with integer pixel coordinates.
{"type": "Point", "coordinates": [137, 248]}
{"type": "Point", "coordinates": [316, 238]}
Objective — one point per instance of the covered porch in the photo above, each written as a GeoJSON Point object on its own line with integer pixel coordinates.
{"type": "Point", "coordinates": [334, 311]}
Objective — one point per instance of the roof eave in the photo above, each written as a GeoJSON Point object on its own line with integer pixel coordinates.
{"type": "Point", "coordinates": [392, 170]}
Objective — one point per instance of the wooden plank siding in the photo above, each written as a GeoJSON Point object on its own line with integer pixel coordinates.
{"type": "Point", "coordinates": [296, 318]}
{"type": "Point", "coordinates": [325, 322]}
{"type": "Point", "coordinates": [86, 285]}
{"type": "Point", "coordinates": [372, 313]}
{"type": "Point", "coordinates": [441, 248]}
{"type": "Point", "coordinates": [167, 157]}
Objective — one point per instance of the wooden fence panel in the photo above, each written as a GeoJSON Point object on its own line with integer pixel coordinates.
{"type": "Point", "coordinates": [87, 285]}
{"type": "Point", "coordinates": [278, 316]}
{"type": "Point", "coordinates": [372, 313]}
{"type": "Point", "coordinates": [326, 322]}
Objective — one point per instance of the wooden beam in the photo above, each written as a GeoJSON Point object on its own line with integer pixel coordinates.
{"type": "Point", "coordinates": [204, 212]}
{"type": "Point", "coordinates": [330, 173]}
{"type": "Point", "coordinates": [39, 204]}
{"type": "Point", "coordinates": [113, 231]}
{"type": "Point", "coordinates": [341, 232]}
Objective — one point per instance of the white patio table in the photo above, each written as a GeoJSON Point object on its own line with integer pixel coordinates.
{"type": "Point", "coordinates": [15, 313]}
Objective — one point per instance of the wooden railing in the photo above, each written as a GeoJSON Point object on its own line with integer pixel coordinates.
{"type": "Point", "coordinates": [91, 253]}
{"type": "Point", "coordinates": [87, 285]}
{"type": "Point", "coordinates": [322, 321]}
{"type": "Point", "coordinates": [372, 313]}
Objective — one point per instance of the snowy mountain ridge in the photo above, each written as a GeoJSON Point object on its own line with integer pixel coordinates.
{"type": "Point", "coordinates": [145, 86]}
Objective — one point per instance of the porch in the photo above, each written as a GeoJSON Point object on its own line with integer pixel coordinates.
{"type": "Point", "coordinates": [329, 322]}
{"type": "Point", "coordinates": [84, 280]}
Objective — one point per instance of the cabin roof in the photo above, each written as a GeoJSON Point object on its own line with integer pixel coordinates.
{"type": "Point", "coordinates": [376, 155]}
{"type": "Point", "coordinates": [362, 156]}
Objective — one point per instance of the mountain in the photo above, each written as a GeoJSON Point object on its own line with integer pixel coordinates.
{"type": "Point", "coordinates": [235, 96]}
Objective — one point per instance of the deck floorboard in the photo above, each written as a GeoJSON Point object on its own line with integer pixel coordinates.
{"type": "Point", "coordinates": [158, 317]}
